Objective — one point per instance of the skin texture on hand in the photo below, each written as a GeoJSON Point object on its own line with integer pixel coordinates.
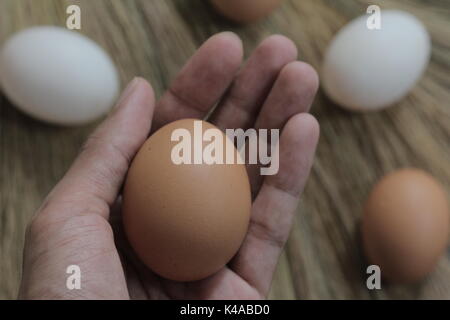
{"type": "Point", "coordinates": [79, 221]}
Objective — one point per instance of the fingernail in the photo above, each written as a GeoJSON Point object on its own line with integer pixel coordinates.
{"type": "Point", "coordinates": [127, 92]}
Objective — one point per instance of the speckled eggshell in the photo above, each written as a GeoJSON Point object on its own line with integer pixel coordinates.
{"type": "Point", "coordinates": [185, 222]}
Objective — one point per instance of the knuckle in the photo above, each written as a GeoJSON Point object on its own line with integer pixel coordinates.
{"type": "Point", "coordinates": [267, 234]}
{"type": "Point", "coordinates": [91, 223]}
{"type": "Point", "coordinates": [53, 215]}
{"type": "Point", "coordinates": [93, 142]}
{"type": "Point", "coordinates": [37, 225]}
{"type": "Point", "coordinates": [99, 146]}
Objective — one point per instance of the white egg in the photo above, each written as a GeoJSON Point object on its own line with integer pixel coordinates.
{"type": "Point", "coordinates": [373, 69]}
{"type": "Point", "coordinates": [58, 76]}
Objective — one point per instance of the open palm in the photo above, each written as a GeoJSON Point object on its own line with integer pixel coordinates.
{"type": "Point", "coordinates": [79, 222]}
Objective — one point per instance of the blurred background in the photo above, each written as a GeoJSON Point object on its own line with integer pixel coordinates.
{"type": "Point", "coordinates": [154, 38]}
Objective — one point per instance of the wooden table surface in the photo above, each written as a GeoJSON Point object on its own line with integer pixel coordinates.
{"type": "Point", "coordinates": [153, 39]}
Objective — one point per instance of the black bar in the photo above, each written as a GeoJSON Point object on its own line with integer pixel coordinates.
{"type": "Point", "coordinates": [178, 310]}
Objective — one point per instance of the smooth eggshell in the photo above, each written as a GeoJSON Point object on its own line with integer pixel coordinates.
{"type": "Point", "coordinates": [185, 221]}
{"type": "Point", "coordinates": [245, 11]}
{"type": "Point", "coordinates": [58, 76]}
{"type": "Point", "coordinates": [368, 70]}
{"type": "Point", "coordinates": [405, 227]}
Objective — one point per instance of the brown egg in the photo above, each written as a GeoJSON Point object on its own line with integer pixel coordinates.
{"type": "Point", "coordinates": [405, 227]}
{"type": "Point", "coordinates": [245, 10]}
{"type": "Point", "coordinates": [185, 221]}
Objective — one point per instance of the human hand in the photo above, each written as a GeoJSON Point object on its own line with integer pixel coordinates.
{"type": "Point", "coordinates": [75, 224]}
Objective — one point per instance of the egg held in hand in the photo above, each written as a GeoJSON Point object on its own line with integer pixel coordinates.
{"type": "Point", "coordinates": [184, 221]}
{"type": "Point", "coordinates": [405, 226]}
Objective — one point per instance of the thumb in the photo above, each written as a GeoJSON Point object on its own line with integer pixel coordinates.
{"type": "Point", "coordinates": [92, 183]}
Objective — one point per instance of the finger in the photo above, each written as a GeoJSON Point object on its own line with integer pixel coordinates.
{"type": "Point", "coordinates": [273, 209]}
{"type": "Point", "coordinates": [223, 285]}
{"type": "Point", "coordinates": [246, 96]}
{"type": "Point", "coordinates": [203, 80]}
{"type": "Point", "coordinates": [292, 93]}
{"type": "Point", "coordinates": [92, 183]}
